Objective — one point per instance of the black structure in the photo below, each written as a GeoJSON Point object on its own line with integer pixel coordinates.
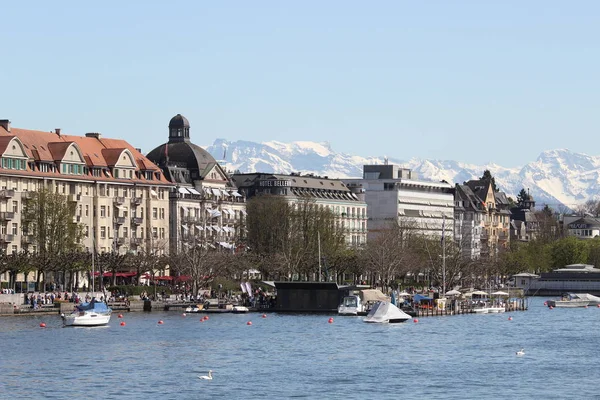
{"type": "Point", "coordinates": [308, 296]}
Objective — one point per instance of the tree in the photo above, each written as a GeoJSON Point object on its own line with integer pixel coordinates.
{"type": "Point", "coordinates": [569, 250]}
{"type": "Point", "coordinates": [523, 196]}
{"type": "Point", "coordinates": [48, 216]}
{"type": "Point", "coordinates": [487, 176]}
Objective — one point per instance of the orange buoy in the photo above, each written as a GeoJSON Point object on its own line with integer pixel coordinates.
{"type": "Point", "coordinates": [120, 315]}
{"type": "Point", "coordinates": [510, 318]}
{"type": "Point", "coordinates": [265, 315]}
{"type": "Point", "coordinates": [206, 317]}
{"type": "Point", "coordinates": [42, 325]}
{"type": "Point", "coordinates": [331, 320]}
{"type": "Point", "coordinates": [122, 323]}
{"type": "Point", "coordinates": [249, 323]}
{"type": "Point", "coordinates": [160, 322]}
{"type": "Point", "coordinates": [415, 320]}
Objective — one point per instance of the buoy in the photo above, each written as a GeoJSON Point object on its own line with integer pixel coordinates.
{"type": "Point", "coordinates": [586, 306]}
{"type": "Point", "coordinates": [249, 323]}
{"type": "Point", "coordinates": [160, 322]}
{"type": "Point", "coordinates": [120, 315]}
{"type": "Point", "coordinates": [122, 323]}
{"type": "Point", "coordinates": [598, 305]}
{"type": "Point", "coordinates": [265, 315]}
{"type": "Point", "coordinates": [415, 320]}
{"type": "Point", "coordinates": [201, 319]}
{"type": "Point", "coordinates": [183, 315]}
{"type": "Point", "coordinates": [551, 307]}
{"type": "Point", "coordinates": [42, 325]}
{"type": "Point", "coordinates": [510, 318]}
{"type": "Point", "coordinates": [545, 303]}
{"type": "Point", "coordinates": [206, 317]}
{"type": "Point", "coordinates": [331, 320]}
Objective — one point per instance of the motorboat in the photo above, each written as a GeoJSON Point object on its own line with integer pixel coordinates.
{"type": "Point", "coordinates": [385, 312]}
{"type": "Point", "coordinates": [351, 305]}
{"type": "Point", "coordinates": [196, 308]}
{"type": "Point", "coordinates": [239, 309]}
{"type": "Point", "coordinates": [361, 303]}
{"type": "Point", "coordinates": [495, 309]}
{"type": "Point", "coordinates": [594, 300]}
{"type": "Point", "coordinates": [568, 301]}
{"type": "Point", "coordinates": [481, 310]}
{"type": "Point", "coordinates": [94, 313]}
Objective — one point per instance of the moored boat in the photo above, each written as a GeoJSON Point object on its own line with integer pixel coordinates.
{"type": "Point", "coordinates": [88, 314]}
{"type": "Point", "coordinates": [568, 301]}
{"type": "Point", "coordinates": [385, 312]}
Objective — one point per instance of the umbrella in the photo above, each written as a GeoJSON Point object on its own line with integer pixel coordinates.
{"type": "Point", "coordinates": [453, 292]}
{"type": "Point", "coordinates": [480, 293]}
{"type": "Point", "coordinates": [402, 294]}
{"type": "Point", "coordinates": [499, 293]}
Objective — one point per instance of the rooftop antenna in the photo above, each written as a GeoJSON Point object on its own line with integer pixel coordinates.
{"type": "Point", "coordinates": [385, 160]}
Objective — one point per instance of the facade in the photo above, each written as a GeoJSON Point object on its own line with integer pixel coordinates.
{"type": "Point", "coordinates": [584, 227]}
{"type": "Point", "coordinates": [205, 207]}
{"type": "Point", "coordinates": [524, 223]}
{"type": "Point", "coordinates": [121, 198]}
{"type": "Point", "coordinates": [395, 195]}
{"type": "Point", "coordinates": [469, 212]}
{"type": "Point", "coordinates": [349, 209]}
{"type": "Point", "coordinates": [495, 232]}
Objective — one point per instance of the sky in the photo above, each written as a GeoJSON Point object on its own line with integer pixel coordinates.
{"type": "Point", "coordinates": [471, 81]}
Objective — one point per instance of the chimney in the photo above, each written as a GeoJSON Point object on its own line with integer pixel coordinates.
{"type": "Point", "coordinates": [57, 131]}
{"type": "Point", "coordinates": [93, 135]}
{"type": "Point", "coordinates": [5, 124]}
{"type": "Point", "coordinates": [138, 149]}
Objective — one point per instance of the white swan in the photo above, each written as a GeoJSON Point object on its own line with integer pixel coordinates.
{"type": "Point", "coordinates": [520, 352]}
{"type": "Point", "coordinates": [209, 376]}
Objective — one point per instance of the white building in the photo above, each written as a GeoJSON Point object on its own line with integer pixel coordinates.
{"type": "Point", "coordinates": [395, 195]}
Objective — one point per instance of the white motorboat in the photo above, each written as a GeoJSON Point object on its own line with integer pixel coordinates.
{"type": "Point", "coordinates": [239, 309]}
{"type": "Point", "coordinates": [196, 308]}
{"type": "Point", "coordinates": [88, 314]}
{"type": "Point", "coordinates": [594, 300]}
{"type": "Point", "coordinates": [481, 310]}
{"type": "Point", "coordinates": [351, 305]}
{"type": "Point", "coordinates": [568, 301]}
{"type": "Point", "coordinates": [385, 312]}
{"type": "Point", "coordinates": [496, 309]}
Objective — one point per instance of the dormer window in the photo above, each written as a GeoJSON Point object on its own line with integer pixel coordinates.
{"type": "Point", "coordinates": [12, 163]}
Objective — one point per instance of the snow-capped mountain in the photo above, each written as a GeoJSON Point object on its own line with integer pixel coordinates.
{"type": "Point", "coordinates": [557, 178]}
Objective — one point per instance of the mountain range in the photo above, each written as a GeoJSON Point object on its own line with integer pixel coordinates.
{"type": "Point", "coordinates": [559, 178]}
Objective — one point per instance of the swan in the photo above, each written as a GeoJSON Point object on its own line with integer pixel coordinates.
{"type": "Point", "coordinates": [520, 352]}
{"type": "Point", "coordinates": [209, 376]}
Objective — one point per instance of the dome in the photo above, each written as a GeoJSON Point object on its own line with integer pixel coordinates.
{"type": "Point", "coordinates": [179, 121]}
{"type": "Point", "coordinates": [178, 156]}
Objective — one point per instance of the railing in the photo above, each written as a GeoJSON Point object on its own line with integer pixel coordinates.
{"type": "Point", "coordinates": [119, 220]}
{"type": "Point", "coordinates": [136, 201]}
{"type": "Point", "coordinates": [6, 193]}
{"type": "Point", "coordinates": [6, 215]}
{"type": "Point", "coordinates": [6, 238]}
{"type": "Point", "coordinates": [136, 220]}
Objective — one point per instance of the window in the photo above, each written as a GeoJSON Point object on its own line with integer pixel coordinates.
{"type": "Point", "coordinates": [125, 232]}
{"type": "Point", "coordinates": [15, 207]}
{"type": "Point", "coordinates": [162, 213]}
{"type": "Point", "coordinates": [103, 232]}
{"type": "Point", "coordinates": [102, 211]}
{"type": "Point", "coordinates": [154, 213]}
{"type": "Point", "coordinates": [87, 210]}
{"type": "Point", "coordinates": [15, 229]}
{"type": "Point", "coordinates": [155, 233]}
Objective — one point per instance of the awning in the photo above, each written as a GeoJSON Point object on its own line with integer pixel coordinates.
{"type": "Point", "coordinates": [193, 191]}
{"type": "Point", "coordinates": [183, 278]}
{"type": "Point", "coordinates": [153, 193]}
{"type": "Point", "coordinates": [228, 211]}
{"type": "Point", "coordinates": [214, 213]}
{"type": "Point", "coordinates": [244, 212]}
{"type": "Point", "coordinates": [163, 278]}
{"type": "Point", "coordinates": [208, 228]}
{"type": "Point", "coordinates": [225, 192]}
{"type": "Point", "coordinates": [226, 245]}
{"type": "Point", "coordinates": [199, 228]}
{"type": "Point", "coordinates": [184, 227]}
{"type": "Point", "coordinates": [235, 194]}
{"type": "Point", "coordinates": [183, 190]}
{"type": "Point", "coordinates": [216, 192]}
{"type": "Point", "coordinates": [217, 228]}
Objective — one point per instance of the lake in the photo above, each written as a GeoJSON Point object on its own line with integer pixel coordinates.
{"type": "Point", "coordinates": [304, 356]}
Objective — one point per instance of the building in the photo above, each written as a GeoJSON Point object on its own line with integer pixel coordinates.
{"type": "Point", "coordinates": [495, 232]}
{"type": "Point", "coordinates": [524, 224]}
{"type": "Point", "coordinates": [469, 211]}
{"type": "Point", "coordinates": [349, 210]}
{"type": "Point", "coordinates": [395, 196]}
{"type": "Point", "coordinates": [121, 197]}
{"type": "Point", "coordinates": [205, 207]}
{"type": "Point", "coordinates": [583, 227]}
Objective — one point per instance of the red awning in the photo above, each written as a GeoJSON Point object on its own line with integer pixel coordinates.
{"type": "Point", "coordinates": [163, 278]}
{"type": "Point", "coordinates": [183, 278]}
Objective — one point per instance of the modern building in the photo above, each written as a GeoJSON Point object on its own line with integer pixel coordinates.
{"type": "Point", "coordinates": [396, 196]}
{"type": "Point", "coordinates": [121, 198]}
{"type": "Point", "coordinates": [350, 211]}
{"type": "Point", "coordinates": [583, 227]}
{"type": "Point", "coordinates": [205, 207]}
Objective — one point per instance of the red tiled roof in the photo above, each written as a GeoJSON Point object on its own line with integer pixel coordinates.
{"type": "Point", "coordinates": [4, 141]}
{"type": "Point", "coordinates": [97, 152]}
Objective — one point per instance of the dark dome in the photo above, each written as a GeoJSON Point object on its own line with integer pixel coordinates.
{"type": "Point", "coordinates": [182, 155]}
{"type": "Point", "coordinates": [179, 121]}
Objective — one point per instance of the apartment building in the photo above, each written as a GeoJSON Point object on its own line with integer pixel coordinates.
{"type": "Point", "coordinates": [121, 198]}
{"type": "Point", "coordinates": [349, 209]}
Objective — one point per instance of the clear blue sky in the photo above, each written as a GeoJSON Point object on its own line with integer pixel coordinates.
{"type": "Point", "coordinates": [473, 81]}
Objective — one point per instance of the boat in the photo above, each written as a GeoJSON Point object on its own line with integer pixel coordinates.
{"type": "Point", "coordinates": [568, 301]}
{"type": "Point", "coordinates": [360, 304]}
{"type": "Point", "coordinates": [94, 313]}
{"type": "Point", "coordinates": [239, 309]}
{"type": "Point", "coordinates": [385, 312]}
{"type": "Point", "coordinates": [495, 309]}
{"type": "Point", "coordinates": [481, 310]}
{"type": "Point", "coordinates": [195, 308]}
{"type": "Point", "coordinates": [594, 300]}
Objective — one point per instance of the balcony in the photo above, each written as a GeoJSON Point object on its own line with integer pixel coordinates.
{"type": "Point", "coordinates": [6, 216]}
{"type": "Point", "coordinates": [6, 193]}
{"type": "Point", "coordinates": [26, 195]}
{"type": "Point", "coordinates": [137, 221]}
{"type": "Point", "coordinates": [27, 239]}
{"type": "Point", "coordinates": [136, 201]}
{"type": "Point", "coordinates": [6, 238]}
{"type": "Point", "coordinates": [119, 200]}
{"type": "Point", "coordinates": [119, 220]}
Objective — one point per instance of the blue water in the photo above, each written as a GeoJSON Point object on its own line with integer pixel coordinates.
{"type": "Point", "coordinates": [303, 356]}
